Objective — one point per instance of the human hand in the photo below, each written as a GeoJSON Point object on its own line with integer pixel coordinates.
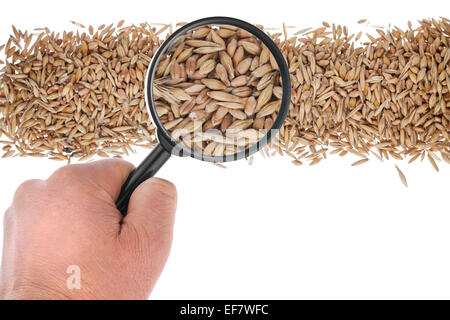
{"type": "Point", "coordinates": [70, 219]}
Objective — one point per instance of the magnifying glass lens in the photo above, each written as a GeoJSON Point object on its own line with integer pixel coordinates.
{"type": "Point", "coordinates": [217, 90]}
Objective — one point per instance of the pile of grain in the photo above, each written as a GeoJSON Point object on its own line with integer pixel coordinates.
{"type": "Point", "coordinates": [77, 95]}
{"type": "Point", "coordinates": [218, 90]}
{"type": "Point", "coordinates": [389, 96]}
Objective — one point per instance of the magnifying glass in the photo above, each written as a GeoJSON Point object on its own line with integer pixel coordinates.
{"type": "Point", "coordinates": [218, 90]}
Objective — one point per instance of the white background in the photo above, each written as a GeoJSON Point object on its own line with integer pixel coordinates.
{"type": "Point", "coordinates": [274, 230]}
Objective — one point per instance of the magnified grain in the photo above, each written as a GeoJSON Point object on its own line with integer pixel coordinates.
{"type": "Point", "coordinates": [220, 79]}
{"type": "Point", "coordinates": [214, 84]}
{"type": "Point", "coordinates": [224, 96]}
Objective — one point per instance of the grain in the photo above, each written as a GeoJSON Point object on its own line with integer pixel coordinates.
{"type": "Point", "coordinates": [402, 176]}
{"type": "Point", "coordinates": [226, 84]}
{"type": "Point", "coordinates": [433, 162]}
{"type": "Point", "coordinates": [359, 162]}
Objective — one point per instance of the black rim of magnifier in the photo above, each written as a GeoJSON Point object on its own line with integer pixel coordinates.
{"type": "Point", "coordinates": [164, 136]}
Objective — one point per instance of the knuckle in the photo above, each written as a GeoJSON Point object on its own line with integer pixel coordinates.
{"type": "Point", "coordinates": [27, 187]}
{"type": "Point", "coordinates": [7, 216]}
{"type": "Point", "coordinates": [63, 173]}
{"type": "Point", "coordinates": [165, 189]}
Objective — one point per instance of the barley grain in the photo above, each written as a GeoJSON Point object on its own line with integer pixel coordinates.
{"type": "Point", "coordinates": [402, 176]}
{"type": "Point", "coordinates": [359, 162]}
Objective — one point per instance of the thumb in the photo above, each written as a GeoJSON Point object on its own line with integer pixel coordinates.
{"type": "Point", "coordinates": [152, 206]}
{"type": "Point", "coordinates": [148, 225]}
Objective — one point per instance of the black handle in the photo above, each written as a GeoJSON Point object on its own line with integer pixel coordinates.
{"type": "Point", "coordinates": [147, 169]}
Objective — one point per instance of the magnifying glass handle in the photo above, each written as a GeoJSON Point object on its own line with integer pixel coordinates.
{"type": "Point", "coordinates": [147, 169]}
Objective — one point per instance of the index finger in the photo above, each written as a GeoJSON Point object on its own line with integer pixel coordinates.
{"type": "Point", "coordinates": [108, 174]}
